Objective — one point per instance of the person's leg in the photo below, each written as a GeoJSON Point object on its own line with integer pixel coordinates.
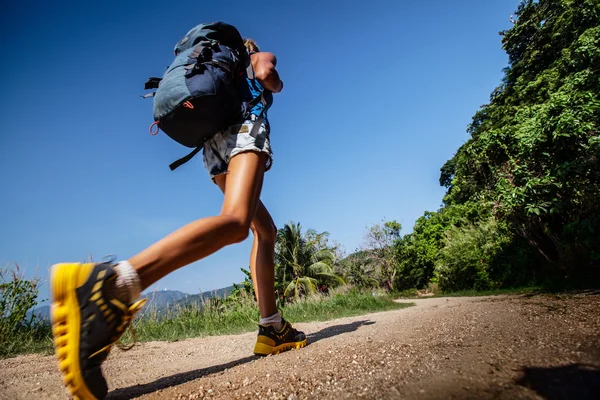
{"type": "Point", "coordinates": [275, 334]}
{"type": "Point", "coordinates": [262, 267]}
{"type": "Point", "coordinates": [87, 319]}
{"type": "Point", "coordinates": [205, 236]}
{"type": "Point", "coordinates": [262, 261]}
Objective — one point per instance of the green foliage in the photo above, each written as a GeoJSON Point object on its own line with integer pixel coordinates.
{"type": "Point", "coordinates": [534, 149]}
{"type": "Point", "coordinates": [224, 316]}
{"type": "Point", "coordinates": [214, 316]}
{"type": "Point", "coordinates": [342, 302]}
{"type": "Point", "coordinates": [418, 252]}
{"type": "Point", "coordinates": [465, 261]}
{"type": "Point", "coordinates": [18, 331]}
{"type": "Point", "coordinates": [381, 241]}
{"type": "Point", "coordinates": [362, 275]}
{"type": "Point", "coordinates": [304, 261]}
{"type": "Point", "coordinates": [245, 288]}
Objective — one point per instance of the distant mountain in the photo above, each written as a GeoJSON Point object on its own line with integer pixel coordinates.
{"type": "Point", "coordinates": [163, 298]}
{"type": "Point", "coordinates": [41, 312]}
{"type": "Point", "coordinates": [197, 298]}
{"type": "Point", "coordinates": [159, 300]}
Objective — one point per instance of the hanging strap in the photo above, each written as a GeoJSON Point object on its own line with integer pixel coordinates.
{"type": "Point", "coordinates": [258, 99]}
{"type": "Point", "coordinates": [183, 160]}
{"type": "Point", "coordinates": [256, 125]}
{"type": "Point", "coordinates": [152, 83]}
{"type": "Point", "coordinates": [253, 132]}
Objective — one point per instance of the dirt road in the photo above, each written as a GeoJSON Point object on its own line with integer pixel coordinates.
{"type": "Point", "coordinates": [501, 347]}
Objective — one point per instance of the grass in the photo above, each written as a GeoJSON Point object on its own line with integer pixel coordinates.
{"type": "Point", "coordinates": [20, 332]}
{"type": "Point", "coordinates": [217, 317]}
{"type": "Point", "coordinates": [338, 305]}
{"type": "Point", "coordinates": [241, 315]}
{"type": "Point", "coordinates": [36, 339]}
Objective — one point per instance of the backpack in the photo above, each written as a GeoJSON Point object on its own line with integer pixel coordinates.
{"type": "Point", "coordinates": [199, 93]}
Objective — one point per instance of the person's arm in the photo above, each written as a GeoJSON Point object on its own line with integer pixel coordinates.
{"type": "Point", "coordinates": [264, 64]}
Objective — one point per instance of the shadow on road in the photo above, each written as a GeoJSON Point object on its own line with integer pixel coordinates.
{"type": "Point", "coordinates": [574, 381]}
{"type": "Point", "coordinates": [336, 330]}
{"type": "Point", "coordinates": [184, 377]}
{"type": "Point", "coordinates": [173, 380]}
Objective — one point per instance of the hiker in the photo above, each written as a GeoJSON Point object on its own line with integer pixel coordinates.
{"type": "Point", "coordinates": [94, 303]}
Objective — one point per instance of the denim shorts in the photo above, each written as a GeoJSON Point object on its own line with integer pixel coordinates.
{"type": "Point", "coordinates": [236, 139]}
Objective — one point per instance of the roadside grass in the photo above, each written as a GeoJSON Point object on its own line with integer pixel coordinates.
{"type": "Point", "coordinates": [239, 315]}
{"type": "Point", "coordinates": [339, 304]}
{"type": "Point", "coordinates": [34, 339]}
{"type": "Point", "coordinates": [20, 332]}
{"type": "Point", "coordinates": [215, 317]}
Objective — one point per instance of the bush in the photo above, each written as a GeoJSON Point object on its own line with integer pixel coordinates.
{"type": "Point", "coordinates": [19, 332]}
{"type": "Point", "coordinates": [466, 260]}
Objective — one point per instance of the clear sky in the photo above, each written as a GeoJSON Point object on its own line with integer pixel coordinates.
{"type": "Point", "coordinates": [378, 96]}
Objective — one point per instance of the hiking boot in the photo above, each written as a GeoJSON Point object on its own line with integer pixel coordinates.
{"type": "Point", "coordinates": [86, 324]}
{"type": "Point", "coordinates": [272, 341]}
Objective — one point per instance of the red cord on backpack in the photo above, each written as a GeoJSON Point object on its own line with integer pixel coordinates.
{"type": "Point", "coordinates": [157, 128]}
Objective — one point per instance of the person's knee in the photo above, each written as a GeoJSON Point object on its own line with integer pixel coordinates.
{"type": "Point", "coordinates": [271, 233]}
{"type": "Point", "coordinates": [264, 231]}
{"type": "Point", "coordinates": [239, 228]}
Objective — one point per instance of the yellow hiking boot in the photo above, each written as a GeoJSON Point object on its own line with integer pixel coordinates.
{"type": "Point", "coordinates": [86, 324]}
{"type": "Point", "coordinates": [272, 341]}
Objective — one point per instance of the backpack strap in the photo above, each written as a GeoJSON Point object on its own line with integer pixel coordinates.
{"type": "Point", "coordinates": [183, 160]}
{"type": "Point", "coordinates": [259, 120]}
{"type": "Point", "coordinates": [250, 72]}
{"type": "Point", "coordinates": [152, 83]}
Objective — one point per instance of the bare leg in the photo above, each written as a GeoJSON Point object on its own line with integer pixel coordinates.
{"type": "Point", "coordinates": [262, 267]}
{"type": "Point", "coordinates": [205, 236]}
{"type": "Point", "coordinates": [262, 261]}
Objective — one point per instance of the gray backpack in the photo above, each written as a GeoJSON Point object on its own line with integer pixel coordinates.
{"type": "Point", "coordinates": [200, 93]}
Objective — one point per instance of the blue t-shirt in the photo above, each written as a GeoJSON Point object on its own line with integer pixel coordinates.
{"type": "Point", "coordinates": [255, 89]}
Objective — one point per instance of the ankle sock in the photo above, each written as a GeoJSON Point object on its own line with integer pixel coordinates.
{"type": "Point", "coordinates": [275, 320]}
{"type": "Point", "coordinates": [126, 287]}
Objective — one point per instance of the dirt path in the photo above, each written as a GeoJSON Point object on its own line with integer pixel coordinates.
{"type": "Point", "coordinates": [502, 347]}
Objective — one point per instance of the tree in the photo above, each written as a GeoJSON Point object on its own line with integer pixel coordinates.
{"type": "Point", "coordinates": [380, 242]}
{"type": "Point", "coordinates": [303, 261]}
{"type": "Point", "coordinates": [534, 149]}
{"type": "Point", "coordinates": [418, 252]}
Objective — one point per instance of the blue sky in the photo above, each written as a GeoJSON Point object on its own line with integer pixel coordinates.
{"type": "Point", "coordinates": [378, 95]}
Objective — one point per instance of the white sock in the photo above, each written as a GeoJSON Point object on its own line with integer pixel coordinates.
{"type": "Point", "coordinates": [274, 320]}
{"type": "Point", "coordinates": [127, 285]}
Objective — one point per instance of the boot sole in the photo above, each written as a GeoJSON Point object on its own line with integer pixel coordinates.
{"type": "Point", "coordinates": [66, 323]}
{"type": "Point", "coordinates": [262, 349]}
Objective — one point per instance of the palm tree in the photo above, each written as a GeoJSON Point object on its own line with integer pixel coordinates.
{"type": "Point", "coordinates": [363, 275]}
{"type": "Point", "coordinates": [303, 260]}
